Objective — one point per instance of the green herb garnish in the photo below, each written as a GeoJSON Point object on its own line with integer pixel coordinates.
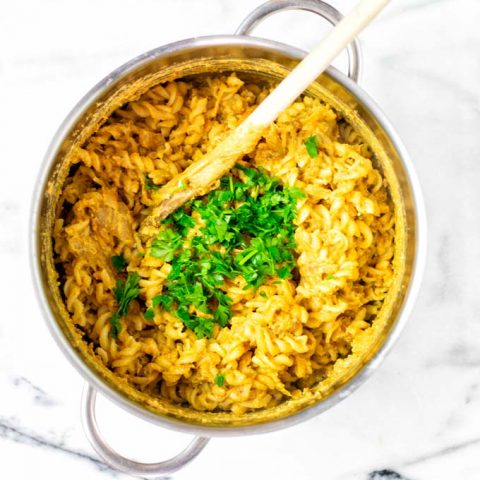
{"type": "Point", "coordinates": [149, 185]}
{"type": "Point", "coordinates": [246, 230]}
{"type": "Point", "coordinates": [125, 292]}
{"type": "Point", "coordinates": [165, 244]}
{"type": "Point", "coordinates": [149, 314]}
{"type": "Point", "coordinates": [220, 379]}
{"type": "Point", "coordinates": [116, 327]}
{"type": "Point", "coordinates": [311, 144]}
{"type": "Point", "coordinates": [164, 300]}
{"type": "Point", "coordinates": [329, 277]}
{"type": "Point", "coordinates": [119, 263]}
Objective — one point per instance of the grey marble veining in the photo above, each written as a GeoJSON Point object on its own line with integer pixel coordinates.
{"type": "Point", "coordinates": [38, 395]}
{"type": "Point", "coordinates": [418, 418]}
{"type": "Point", "coordinates": [10, 431]}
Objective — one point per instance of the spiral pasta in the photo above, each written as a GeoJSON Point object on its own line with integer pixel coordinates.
{"type": "Point", "coordinates": [284, 337]}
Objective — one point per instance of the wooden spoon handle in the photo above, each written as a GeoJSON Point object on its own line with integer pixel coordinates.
{"type": "Point", "coordinates": [315, 62]}
{"type": "Point", "coordinates": [201, 176]}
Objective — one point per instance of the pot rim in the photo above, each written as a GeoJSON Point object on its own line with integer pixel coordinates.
{"type": "Point", "coordinates": [349, 386]}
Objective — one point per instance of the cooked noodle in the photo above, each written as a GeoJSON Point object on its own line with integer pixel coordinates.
{"type": "Point", "coordinates": [283, 337]}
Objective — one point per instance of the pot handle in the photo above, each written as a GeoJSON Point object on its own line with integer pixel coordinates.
{"type": "Point", "coordinates": [315, 6]}
{"type": "Point", "coordinates": [119, 462]}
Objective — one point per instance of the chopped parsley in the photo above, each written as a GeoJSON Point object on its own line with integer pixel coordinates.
{"type": "Point", "coordinates": [246, 230]}
{"type": "Point", "coordinates": [220, 379]}
{"type": "Point", "coordinates": [116, 327]}
{"type": "Point", "coordinates": [165, 244]}
{"type": "Point", "coordinates": [149, 185]}
{"type": "Point", "coordinates": [329, 277]}
{"type": "Point", "coordinates": [163, 300]}
{"type": "Point", "coordinates": [149, 314]}
{"type": "Point", "coordinates": [311, 144]}
{"type": "Point", "coordinates": [119, 263]}
{"type": "Point", "coordinates": [125, 292]}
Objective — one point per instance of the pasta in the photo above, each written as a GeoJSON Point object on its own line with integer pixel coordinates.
{"type": "Point", "coordinates": [285, 336]}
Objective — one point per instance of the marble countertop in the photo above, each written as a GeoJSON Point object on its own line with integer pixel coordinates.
{"type": "Point", "coordinates": [418, 417]}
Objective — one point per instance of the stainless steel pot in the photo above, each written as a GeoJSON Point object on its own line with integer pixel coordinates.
{"type": "Point", "coordinates": [257, 57]}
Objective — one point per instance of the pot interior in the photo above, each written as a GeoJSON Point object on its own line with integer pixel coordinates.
{"type": "Point", "coordinates": [254, 59]}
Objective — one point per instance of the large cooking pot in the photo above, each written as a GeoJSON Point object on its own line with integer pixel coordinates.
{"type": "Point", "coordinates": [263, 59]}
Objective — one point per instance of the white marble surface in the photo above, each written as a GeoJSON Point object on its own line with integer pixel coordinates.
{"type": "Point", "coordinates": [419, 415]}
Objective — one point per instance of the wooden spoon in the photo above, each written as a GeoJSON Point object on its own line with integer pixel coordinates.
{"type": "Point", "coordinates": [200, 177]}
